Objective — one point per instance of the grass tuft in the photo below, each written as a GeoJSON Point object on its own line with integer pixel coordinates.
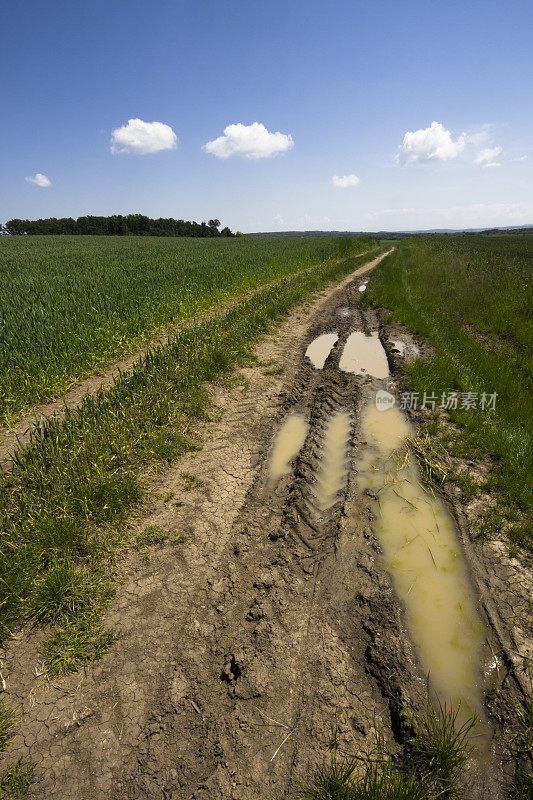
{"type": "Point", "coordinates": [431, 765]}
{"type": "Point", "coordinates": [66, 592]}
{"type": "Point", "coordinates": [6, 725]}
{"type": "Point", "coordinates": [16, 780]}
{"type": "Point", "coordinates": [349, 780]}
{"type": "Point", "coordinates": [152, 534]}
{"type": "Point", "coordinates": [439, 748]}
{"type": "Point", "coordinates": [75, 644]}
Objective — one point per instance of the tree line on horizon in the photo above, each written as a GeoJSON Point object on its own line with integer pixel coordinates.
{"type": "Point", "coordinates": [116, 225]}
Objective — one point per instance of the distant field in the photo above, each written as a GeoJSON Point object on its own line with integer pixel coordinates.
{"type": "Point", "coordinates": [70, 305]}
{"type": "Point", "coordinates": [472, 299]}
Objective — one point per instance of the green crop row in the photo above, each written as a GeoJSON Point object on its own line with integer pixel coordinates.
{"type": "Point", "coordinates": [72, 305]}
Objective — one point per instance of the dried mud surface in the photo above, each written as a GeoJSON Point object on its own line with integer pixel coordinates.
{"type": "Point", "coordinates": [245, 650]}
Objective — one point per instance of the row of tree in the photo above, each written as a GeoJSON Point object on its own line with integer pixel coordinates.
{"type": "Point", "coordinates": [117, 225]}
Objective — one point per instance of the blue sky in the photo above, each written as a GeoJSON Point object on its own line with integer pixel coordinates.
{"type": "Point", "coordinates": [342, 83]}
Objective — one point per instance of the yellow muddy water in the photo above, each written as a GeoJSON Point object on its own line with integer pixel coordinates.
{"type": "Point", "coordinates": [422, 553]}
{"type": "Point", "coordinates": [320, 348]}
{"type": "Point", "coordinates": [333, 471]}
{"type": "Point", "coordinates": [287, 444]}
{"type": "Point", "coordinates": [364, 355]}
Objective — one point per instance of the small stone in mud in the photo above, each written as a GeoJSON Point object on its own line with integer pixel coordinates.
{"type": "Point", "coordinates": [231, 671]}
{"type": "Point", "coordinates": [255, 613]}
{"type": "Point", "coordinates": [265, 581]}
{"type": "Point", "coordinates": [359, 726]}
{"type": "Point", "coordinates": [273, 536]}
{"type": "Point", "coordinates": [236, 550]}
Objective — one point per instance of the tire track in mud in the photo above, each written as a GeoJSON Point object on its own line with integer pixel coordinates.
{"type": "Point", "coordinates": [298, 647]}
{"type": "Point", "coordinates": [272, 633]}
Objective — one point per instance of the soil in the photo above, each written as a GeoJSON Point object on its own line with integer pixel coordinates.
{"type": "Point", "coordinates": [248, 650]}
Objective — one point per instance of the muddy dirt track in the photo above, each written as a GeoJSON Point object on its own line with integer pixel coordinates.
{"type": "Point", "coordinates": [245, 650]}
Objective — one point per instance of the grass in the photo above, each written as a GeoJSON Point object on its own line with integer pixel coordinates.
{"type": "Point", "coordinates": [430, 767]}
{"type": "Point", "coordinates": [71, 305]}
{"type": "Point", "coordinates": [273, 370]}
{"type": "Point", "coordinates": [190, 481]}
{"type": "Point", "coordinates": [470, 299]}
{"type": "Point", "coordinates": [63, 506]}
{"type": "Point", "coordinates": [345, 779]}
{"type": "Point", "coordinates": [16, 780]}
{"type": "Point", "coordinates": [152, 534]}
{"type": "Point", "coordinates": [75, 644]}
{"type": "Point", "coordinates": [6, 725]}
{"type": "Point", "coordinates": [66, 592]}
{"type": "Point", "coordinates": [439, 748]}
{"type": "Point", "coordinates": [524, 752]}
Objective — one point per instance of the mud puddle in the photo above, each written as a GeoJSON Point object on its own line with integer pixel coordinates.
{"type": "Point", "coordinates": [422, 552]}
{"type": "Point", "coordinates": [364, 355]}
{"type": "Point", "coordinates": [287, 444]}
{"type": "Point", "coordinates": [320, 348]}
{"type": "Point", "coordinates": [333, 470]}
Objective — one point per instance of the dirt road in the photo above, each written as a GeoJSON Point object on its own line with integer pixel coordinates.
{"type": "Point", "coordinates": [248, 648]}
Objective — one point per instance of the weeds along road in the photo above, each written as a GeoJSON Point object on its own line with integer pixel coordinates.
{"type": "Point", "coordinates": [254, 636]}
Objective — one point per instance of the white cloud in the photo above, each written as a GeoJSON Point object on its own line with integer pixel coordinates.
{"type": "Point", "coordinates": [486, 157]}
{"type": "Point", "coordinates": [141, 137]}
{"type": "Point", "coordinates": [345, 181]}
{"type": "Point", "coordinates": [39, 180]}
{"type": "Point", "coordinates": [430, 144]}
{"type": "Point", "coordinates": [522, 158]}
{"type": "Point", "coordinates": [278, 219]}
{"type": "Point", "coordinates": [249, 141]}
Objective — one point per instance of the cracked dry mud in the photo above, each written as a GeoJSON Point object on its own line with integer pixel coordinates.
{"type": "Point", "coordinates": [245, 650]}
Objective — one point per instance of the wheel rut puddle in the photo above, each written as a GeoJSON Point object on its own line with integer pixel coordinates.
{"type": "Point", "coordinates": [333, 472]}
{"type": "Point", "coordinates": [287, 444]}
{"type": "Point", "coordinates": [320, 348]}
{"type": "Point", "coordinates": [364, 355]}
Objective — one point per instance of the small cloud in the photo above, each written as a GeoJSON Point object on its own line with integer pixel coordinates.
{"type": "Point", "coordinates": [486, 157]}
{"type": "Point", "coordinates": [522, 158]}
{"type": "Point", "coordinates": [430, 144]}
{"type": "Point", "coordinates": [141, 137]}
{"type": "Point", "coordinates": [278, 219]}
{"type": "Point", "coordinates": [249, 141]}
{"type": "Point", "coordinates": [345, 181]}
{"type": "Point", "coordinates": [39, 180]}
{"type": "Point", "coordinates": [479, 137]}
